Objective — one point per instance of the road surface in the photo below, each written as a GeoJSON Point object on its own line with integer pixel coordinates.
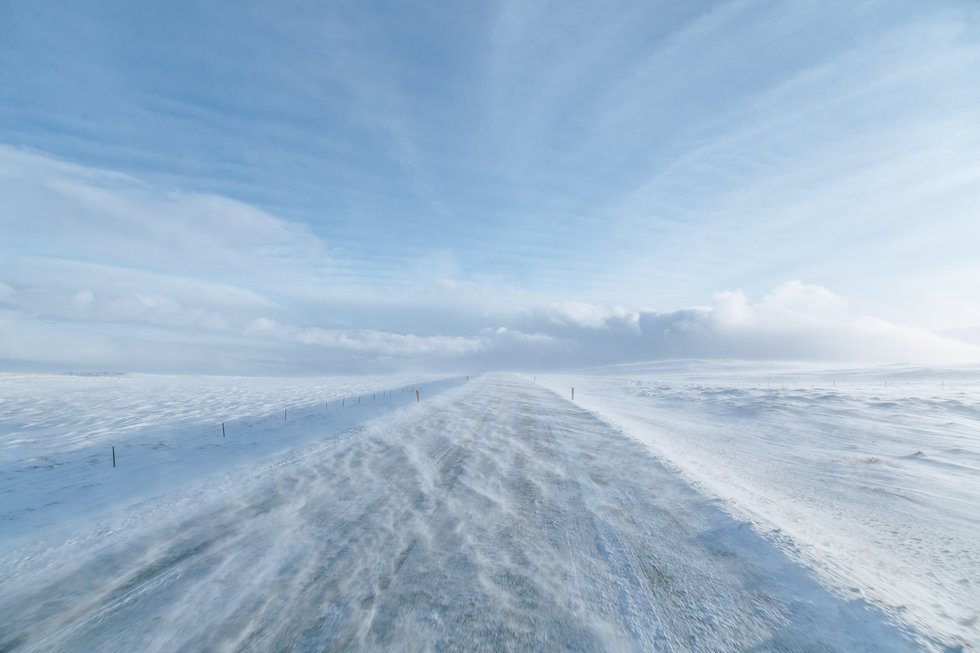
{"type": "Point", "coordinates": [496, 516]}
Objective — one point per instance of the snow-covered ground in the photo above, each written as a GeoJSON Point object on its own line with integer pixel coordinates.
{"type": "Point", "coordinates": [494, 515]}
{"type": "Point", "coordinates": [57, 433]}
{"type": "Point", "coordinates": [869, 476]}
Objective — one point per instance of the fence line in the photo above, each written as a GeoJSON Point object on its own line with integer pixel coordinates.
{"type": "Point", "coordinates": [228, 423]}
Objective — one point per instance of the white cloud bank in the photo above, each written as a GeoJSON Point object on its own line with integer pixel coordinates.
{"type": "Point", "coordinates": [99, 270]}
{"type": "Point", "coordinates": [800, 321]}
{"type": "Point", "coordinates": [795, 322]}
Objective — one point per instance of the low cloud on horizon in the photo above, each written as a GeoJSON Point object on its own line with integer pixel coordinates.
{"type": "Point", "coordinates": [541, 338]}
{"type": "Point", "coordinates": [110, 273]}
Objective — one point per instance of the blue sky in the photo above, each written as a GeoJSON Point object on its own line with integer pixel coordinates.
{"type": "Point", "coordinates": [355, 186]}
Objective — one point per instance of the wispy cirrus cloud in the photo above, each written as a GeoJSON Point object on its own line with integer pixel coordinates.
{"type": "Point", "coordinates": [169, 291]}
{"type": "Point", "coordinates": [505, 184]}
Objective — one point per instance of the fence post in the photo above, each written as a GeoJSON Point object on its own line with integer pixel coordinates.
{"type": "Point", "coordinates": [222, 429]}
{"type": "Point", "coordinates": [417, 399]}
{"type": "Point", "coordinates": [573, 394]}
{"type": "Point", "coordinates": [113, 456]}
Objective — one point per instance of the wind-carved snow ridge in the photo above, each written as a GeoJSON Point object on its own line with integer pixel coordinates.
{"type": "Point", "coordinates": [871, 476]}
{"type": "Point", "coordinates": [494, 516]}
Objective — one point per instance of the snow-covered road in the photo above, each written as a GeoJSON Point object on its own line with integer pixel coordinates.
{"type": "Point", "coordinates": [495, 516]}
{"type": "Point", "coordinates": [873, 475]}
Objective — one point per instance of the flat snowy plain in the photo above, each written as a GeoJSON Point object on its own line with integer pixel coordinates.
{"type": "Point", "coordinates": [668, 508]}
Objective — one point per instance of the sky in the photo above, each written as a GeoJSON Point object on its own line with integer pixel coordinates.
{"type": "Point", "coordinates": [355, 187]}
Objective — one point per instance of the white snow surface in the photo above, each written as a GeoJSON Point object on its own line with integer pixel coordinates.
{"type": "Point", "coordinates": [493, 515]}
{"type": "Point", "coordinates": [869, 476]}
{"type": "Point", "coordinates": [57, 432]}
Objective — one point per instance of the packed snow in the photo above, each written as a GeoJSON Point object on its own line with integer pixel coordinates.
{"type": "Point", "coordinates": [869, 476]}
{"type": "Point", "coordinates": [666, 508]}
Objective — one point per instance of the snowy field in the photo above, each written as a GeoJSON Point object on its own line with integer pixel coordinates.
{"type": "Point", "coordinates": [665, 509]}
{"type": "Point", "coordinates": [57, 432]}
{"type": "Point", "coordinates": [869, 476]}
